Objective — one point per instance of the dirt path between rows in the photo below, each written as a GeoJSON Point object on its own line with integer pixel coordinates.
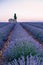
{"type": "Point", "coordinates": [4, 47]}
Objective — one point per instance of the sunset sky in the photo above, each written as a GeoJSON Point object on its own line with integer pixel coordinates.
{"type": "Point", "coordinates": [26, 10]}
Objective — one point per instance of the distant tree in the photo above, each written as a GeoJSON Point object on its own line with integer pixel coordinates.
{"type": "Point", "coordinates": [15, 17]}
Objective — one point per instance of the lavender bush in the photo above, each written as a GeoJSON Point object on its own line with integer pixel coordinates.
{"type": "Point", "coordinates": [36, 32]}
{"type": "Point", "coordinates": [4, 32]}
{"type": "Point", "coordinates": [21, 48]}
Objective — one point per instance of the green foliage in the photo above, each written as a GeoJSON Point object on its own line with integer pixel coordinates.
{"type": "Point", "coordinates": [22, 48]}
{"type": "Point", "coordinates": [15, 16]}
{"type": "Point", "coordinates": [26, 48]}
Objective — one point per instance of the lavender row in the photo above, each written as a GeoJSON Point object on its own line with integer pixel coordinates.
{"type": "Point", "coordinates": [36, 25]}
{"type": "Point", "coordinates": [4, 32]}
{"type": "Point", "coordinates": [30, 60]}
{"type": "Point", "coordinates": [2, 24]}
{"type": "Point", "coordinates": [18, 48]}
{"type": "Point", "coordinates": [36, 32]}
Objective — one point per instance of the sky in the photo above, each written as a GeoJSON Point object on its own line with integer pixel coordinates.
{"type": "Point", "coordinates": [26, 10]}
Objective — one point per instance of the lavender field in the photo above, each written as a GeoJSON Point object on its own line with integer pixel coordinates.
{"type": "Point", "coordinates": [21, 43]}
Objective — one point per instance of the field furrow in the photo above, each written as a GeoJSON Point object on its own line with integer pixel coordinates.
{"type": "Point", "coordinates": [21, 48]}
